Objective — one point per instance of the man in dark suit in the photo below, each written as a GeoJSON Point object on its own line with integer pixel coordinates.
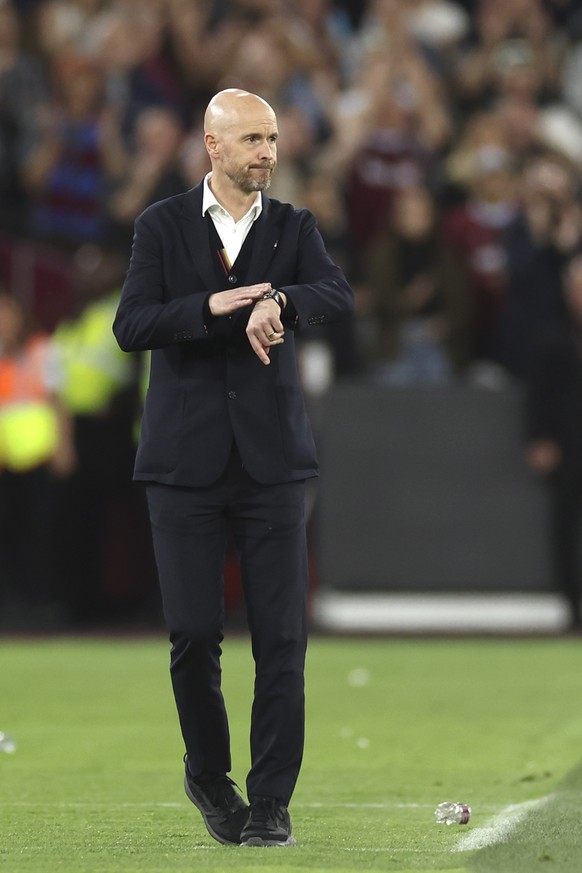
{"type": "Point", "coordinates": [554, 424]}
{"type": "Point", "coordinates": [218, 279]}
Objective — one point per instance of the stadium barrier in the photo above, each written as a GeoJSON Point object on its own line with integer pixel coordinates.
{"type": "Point", "coordinates": [427, 516]}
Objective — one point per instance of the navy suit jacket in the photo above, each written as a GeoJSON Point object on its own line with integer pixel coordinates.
{"type": "Point", "coordinates": [207, 386]}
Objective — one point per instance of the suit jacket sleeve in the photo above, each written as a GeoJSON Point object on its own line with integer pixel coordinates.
{"type": "Point", "coordinates": [320, 293]}
{"type": "Point", "coordinates": [543, 388]}
{"type": "Point", "coordinates": [145, 318]}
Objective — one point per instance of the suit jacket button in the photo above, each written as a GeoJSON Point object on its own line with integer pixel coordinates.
{"type": "Point", "coordinates": [232, 279]}
{"type": "Point", "coordinates": [232, 395]}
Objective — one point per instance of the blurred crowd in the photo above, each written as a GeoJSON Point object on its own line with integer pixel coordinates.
{"type": "Point", "coordinates": [439, 145]}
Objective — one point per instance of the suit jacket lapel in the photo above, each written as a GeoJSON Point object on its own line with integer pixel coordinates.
{"type": "Point", "coordinates": [265, 244]}
{"type": "Point", "coordinates": [195, 233]}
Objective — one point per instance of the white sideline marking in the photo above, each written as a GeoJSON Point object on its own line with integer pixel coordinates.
{"type": "Point", "coordinates": [500, 826]}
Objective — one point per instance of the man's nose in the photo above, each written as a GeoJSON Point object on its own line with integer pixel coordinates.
{"type": "Point", "coordinates": [267, 150]}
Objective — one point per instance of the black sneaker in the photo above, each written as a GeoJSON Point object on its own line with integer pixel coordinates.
{"type": "Point", "coordinates": [223, 809]}
{"type": "Point", "coordinates": [268, 824]}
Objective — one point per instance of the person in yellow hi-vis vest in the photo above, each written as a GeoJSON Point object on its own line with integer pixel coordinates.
{"type": "Point", "coordinates": [102, 514]}
{"type": "Point", "coordinates": [36, 450]}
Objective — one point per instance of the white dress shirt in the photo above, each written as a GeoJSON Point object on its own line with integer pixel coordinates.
{"type": "Point", "coordinates": [232, 233]}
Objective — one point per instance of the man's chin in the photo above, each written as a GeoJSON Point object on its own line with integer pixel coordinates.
{"type": "Point", "coordinates": [251, 182]}
{"type": "Point", "coordinates": [254, 185]}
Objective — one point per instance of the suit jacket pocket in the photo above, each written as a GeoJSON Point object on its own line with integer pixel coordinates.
{"type": "Point", "coordinates": [296, 435]}
{"type": "Point", "coordinates": [161, 428]}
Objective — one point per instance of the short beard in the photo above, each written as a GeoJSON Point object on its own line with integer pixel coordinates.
{"type": "Point", "coordinates": [247, 183]}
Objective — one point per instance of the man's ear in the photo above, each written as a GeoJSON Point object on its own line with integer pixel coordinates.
{"type": "Point", "coordinates": [211, 143]}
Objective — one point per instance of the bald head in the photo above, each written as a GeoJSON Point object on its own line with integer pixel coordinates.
{"type": "Point", "coordinates": [240, 134]}
{"type": "Point", "coordinates": [231, 107]}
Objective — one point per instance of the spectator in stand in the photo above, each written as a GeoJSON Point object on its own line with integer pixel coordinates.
{"type": "Point", "coordinates": [21, 92]}
{"type": "Point", "coordinates": [474, 230]}
{"type": "Point", "coordinates": [420, 300]}
{"type": "Point", "coordinates": [35, 450]}
{"type": "Point", "coordinates": [330, 352]}
{"type": "Point", "coordinates": [390, 125]}
{"type": "Point", "coordinates": [440, 27]}
{"type": "Point", "coordinates": [63, 26]}
{"type": "Point", "coordinates": [329, 33]}
{"type": "Point", "coordinates": [545, 234]}
{"type": "Point", "coordinates": [200, 42]}
{"type": "Point", "coordinates": [483, 130]}
{"type": "Point", "coordinates": [571, 70]}
{"type": "Point", "coordinates": [521, 120]}
{"type": "Point", "coordinates": [133, 40]}
{"type": "Point", "coordinates": [268, 61]}
{"type": "Point", "coordinates": [154, 173]}
{"type": "Point", "coordinates": [516, 70]}
{"type": "Point", "coordinates": [76, 155]}
{"type": "Point", "coordinates": [514, 48]}
{"type": "Point", "coordinates": [555, 437]}
{"type": "Point", "coordinates": [291, 78]}
{"type": "Point", "coordinates": [99, 388]}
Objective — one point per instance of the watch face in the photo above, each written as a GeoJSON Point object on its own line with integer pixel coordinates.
{"type": "Point", "coordinates": [273, 295]}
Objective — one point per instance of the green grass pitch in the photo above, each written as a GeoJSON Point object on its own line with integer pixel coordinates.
{"type": "Point", "coordinates": [394, 727]}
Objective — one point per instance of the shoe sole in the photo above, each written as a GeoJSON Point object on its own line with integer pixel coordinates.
{"type": "Point", "coordinates": [258, 841]}
{"type": "Point", "coordinates": [209, 828]}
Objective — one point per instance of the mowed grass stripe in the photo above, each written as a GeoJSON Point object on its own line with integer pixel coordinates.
{"type": "Point", "coordinates": [186, 805]}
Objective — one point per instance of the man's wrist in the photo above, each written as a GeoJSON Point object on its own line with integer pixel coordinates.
{"type": "Point", "coordinates": [277, 296]}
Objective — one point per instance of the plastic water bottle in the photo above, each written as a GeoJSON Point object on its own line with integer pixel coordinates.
{"type": "Point", "coordinates": [452, 813]}
{"type": "Point", "coordinates": [7, 743]}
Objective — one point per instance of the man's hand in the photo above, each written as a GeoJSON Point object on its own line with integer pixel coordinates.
{"type": "Point", "coordinates": [543, 456]}
{"type": "Point", "coordinates": [265, 328]}
{"type": "Point", "coordinates": [227, 302]}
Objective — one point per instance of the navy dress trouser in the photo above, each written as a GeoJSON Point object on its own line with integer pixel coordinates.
{"type": "Point", "coordinates": [190, 529]}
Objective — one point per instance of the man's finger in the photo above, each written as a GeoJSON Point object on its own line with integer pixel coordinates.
{"type": "Point", "coordinates": [259, 350]}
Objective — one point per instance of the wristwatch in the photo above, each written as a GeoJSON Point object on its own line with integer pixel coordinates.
{"type": "Point", "coordinates": [273, 294]}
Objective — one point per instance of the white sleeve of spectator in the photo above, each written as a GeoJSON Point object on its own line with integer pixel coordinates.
{"type": "Point", "coordinates": [53, 370]}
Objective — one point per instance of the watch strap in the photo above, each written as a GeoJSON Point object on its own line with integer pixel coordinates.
{"type": "Point", "coordinates": [273, 294]}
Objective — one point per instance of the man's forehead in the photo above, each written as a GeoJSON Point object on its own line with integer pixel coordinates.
{"type": "Point", "coordinates": [252, 112]}
{"type": "Point", "coordinates": [259, 123]}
